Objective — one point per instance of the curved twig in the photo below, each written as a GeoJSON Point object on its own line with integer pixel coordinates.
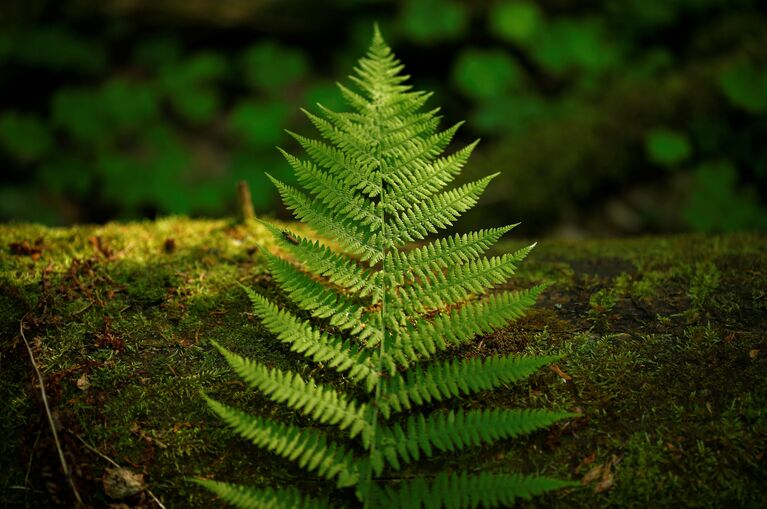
{"type": "Point", "coordinates": [40, 379]}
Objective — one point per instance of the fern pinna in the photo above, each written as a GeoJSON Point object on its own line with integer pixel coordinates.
{"type": "Point", "coordinates": [384, 315]}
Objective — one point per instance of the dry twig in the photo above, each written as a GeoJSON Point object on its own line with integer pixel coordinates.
{"type": "Point", "coordinates": [64, 466]}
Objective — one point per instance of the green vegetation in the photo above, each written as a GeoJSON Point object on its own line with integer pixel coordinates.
{"type": "Point", "coordinates": [650, 108]}
{"type": "Point", "coordinates": [385, 317]}
{"type": "Point", "coordinates": [669, 382]}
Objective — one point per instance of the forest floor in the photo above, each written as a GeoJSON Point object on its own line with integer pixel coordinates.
{"type": "Point", "coordinates": [663, 344]}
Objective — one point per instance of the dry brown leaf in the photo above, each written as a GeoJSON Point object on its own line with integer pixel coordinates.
{"type": "Point", "coordinates": [122, 483]}
{"type": "Point", "coordinates": [592, 475]}
{"type": "Point", "coordinates": [753, 353]}
{"type": "Point", "coordinates": [564, 376]}
{"type": "Point", "coordinates": [83, 383]}
{"type": "Point", "coordinates": [588, 460]}
{"type": "Point", "coordinates": [604, 484]}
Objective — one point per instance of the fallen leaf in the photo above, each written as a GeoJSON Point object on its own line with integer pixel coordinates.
{"type": "Point", "coordinates": [564, 376]}
{"type": "Point", "coordinates": [27, 249]}
{"type": "Point", "coordinates": [604, 484]}
{"type": "Point", "coordinates": [753, 353]}
{"type": "Point", "coordinates": [122, 483]}
{"type": "Point", "coordinates": [83, 383]}
{"type": "Point", "coordinates": [588, 460]}
{"type": "Point", "coordinates": [592, 475]}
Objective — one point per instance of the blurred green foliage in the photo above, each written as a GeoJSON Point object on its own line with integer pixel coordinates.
{"type": "Point", "coordinates": [667, 147]}
{"type": "Point", "coordinates": [584, 106]}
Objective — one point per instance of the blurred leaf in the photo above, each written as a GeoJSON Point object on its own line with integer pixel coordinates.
{"type": "Point", "coordinates": [77, 111]}
{"type": "Point", "coordinates": [666, 147]}
{"type": "Point", "coordinates": [156, 177]}
{"type": "Point", "coordinates": [201, 68]}
{"type": "Point", "coordinates": [514, 21]}
{"type": "Point", "coordinates": [127, 104]}
{"type": "Point", "coordinates": [25, 204]}
{"type": "Point", "coordinates": [646, 16]}
{"type": "Point", "coordinates": [24, 136]}
{"type": "Point", "coordinates": [269, 67]}
{"type": "Point", "coordinates": [188, 86]}
{"type": "Point", "coordinates": [485, 74]}
{"type": "Point", "coordinates": [717, 205]}
{"type": "Point", "coordinates": [509, 114]}
{"type": "Point", "coordinates": [66, 175]}
{"type": "Point", "coordinates": [125, 181]}
{"type": "Point", "coordinates": [259, 123]}
{"type": "Point", "coordinates": [158, 52]}
{"type": "Point", "coordinates": [574, 43]}
{"type": "Point", "coordinates": [197, 105]}
{"type": "Point", "coordinates": [53, 47]}
{"type": "Point", "coordinates": [651, 63]}
{"type": "Point", "coordinates": [428, 21]}
{"type": "Point", "coordinates": [746, 87]}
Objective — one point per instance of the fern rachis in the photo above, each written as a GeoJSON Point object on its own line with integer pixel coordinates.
{"type": "Point", "coordinates": [376, 181]}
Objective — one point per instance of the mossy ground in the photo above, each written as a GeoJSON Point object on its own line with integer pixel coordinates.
{"type": "Point", "coordinates": [663, 345]}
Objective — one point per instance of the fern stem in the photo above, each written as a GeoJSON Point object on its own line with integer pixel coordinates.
{"type": "Point", "coordinates": [377, 127]}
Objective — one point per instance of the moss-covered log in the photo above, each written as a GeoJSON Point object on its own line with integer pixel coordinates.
{"type": "Point", "coordinates": [663, 343]}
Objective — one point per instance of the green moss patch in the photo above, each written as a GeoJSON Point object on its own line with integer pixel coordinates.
{"type": "Point", "coordinates": [662, 339]}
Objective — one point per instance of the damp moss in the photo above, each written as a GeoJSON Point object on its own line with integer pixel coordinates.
{"type": "Point", "coordinates": [662, 344]}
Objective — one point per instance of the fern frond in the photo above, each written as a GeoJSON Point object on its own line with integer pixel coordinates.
{"type": "Point", "coordinates": [427, 179]}
{"type": "Point", "coordinates": [374, 179]}
{"type": "Point", "coordinates": [337, 198]}
{"type": "Point", "coordinates": [453, 378]}
{"type": "Point", "coordinates": [320, 300]}
{"type": "Point", "coordinates": [352, 139]}
{"type": "Point", "coordinates": [458, 283]}
{"type": "Point", "coordinates": [334, 352]}
{"type": "Point", "coordinates": [321, 260]}
{"type": "Point", "coordinates": [465, 490]}
{"type": "Point", "coordinates": [442, 253]}
{"type": "Point", "coordinates": [247, 497]}
{"type": "Point", "coordinates": [357, 174]}
{"type": "Point", "coordinates": [457, 430]}
{"type": "Point", "coordinates": [323, 404]}
{"type": "Point", "coordinates": [310, 449]}
{"type": "Point", "coordinates": [434, 213]}
{"type": "Point", "coordinates": [414, 153]}
{"type": "Point", "coordinates": [457, 327]}
{"type": "Point", "coordinates": [355, 238]}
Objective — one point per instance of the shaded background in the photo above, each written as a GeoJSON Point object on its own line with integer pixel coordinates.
{"type": "Point", "coordinates": [605, 117]}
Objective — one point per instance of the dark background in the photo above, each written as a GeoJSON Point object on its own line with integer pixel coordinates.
{"type": "Point", "coordinates": [604, 117]}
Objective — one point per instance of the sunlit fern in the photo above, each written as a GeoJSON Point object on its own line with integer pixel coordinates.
{"type": "Point", "coordinates": [383, 315]}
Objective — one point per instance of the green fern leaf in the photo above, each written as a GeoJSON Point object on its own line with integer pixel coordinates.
{"type": "Point", "coordinates": [336, 353]}
{"type": "Point", "coordinates": [452, 378]}
{"type": "Point", "coordinates": [455, 328]}
{"type": "Point", "coordinates": [244, 497]}
{"type": "Point", "coordinates": [308, 448]}
{"type": "Point", "coordinates": [440, 290]}
{"type": "Point", "coordinates": [442, 254]}
{"type": "Point", "coordinates": [320, 260]}
{"type": "Point", "coordinates": [464, 490]}
{"type": "Point", "coordinates": [323, 404]}
{"type": "Point", "coordinates": [457, 430]}
{"type": "Point", "coordinates": [375, 179]}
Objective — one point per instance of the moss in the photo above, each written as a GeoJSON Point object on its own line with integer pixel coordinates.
{"type": "Point", "coordinates": [662, 345]}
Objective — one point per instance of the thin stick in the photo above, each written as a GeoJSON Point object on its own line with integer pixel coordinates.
{"type": "Point", "coordinates": [113, 463]}
{"type": "Point", "coordinates": [244, 202]}
{"type": "Point", "coordinates": [64, 466]}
